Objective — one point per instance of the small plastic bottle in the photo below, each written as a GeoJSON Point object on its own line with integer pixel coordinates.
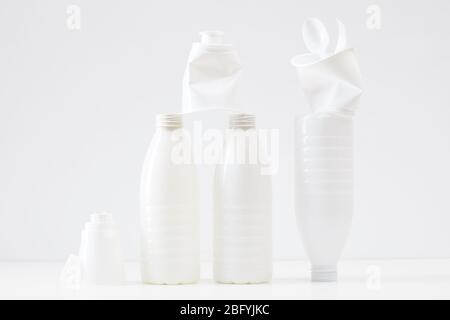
{"type": "Point", "coordinates": [100, 251]}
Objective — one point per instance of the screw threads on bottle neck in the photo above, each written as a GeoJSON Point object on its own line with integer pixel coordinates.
{"type": "Point", "coordinates": [169, 120]}
{"type": "Point", "coordinates": [242, 121]}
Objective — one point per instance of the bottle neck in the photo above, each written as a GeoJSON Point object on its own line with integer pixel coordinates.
{"type": "Point", "coordinates": [169, 121]}
{"type": "Point", "coordinates": [242, 121]}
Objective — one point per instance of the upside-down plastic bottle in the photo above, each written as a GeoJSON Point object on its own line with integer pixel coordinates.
{"type": "Point", "coordinates": [331, 82]}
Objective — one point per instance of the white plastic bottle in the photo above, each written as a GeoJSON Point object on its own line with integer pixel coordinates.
{"type": "Point", "coordinates": [100, 251]}
{"type": "Point", "coordinates": [324, 189]}
{"type": "Point", "coordinates": [242, 217]}
{"type": "Point", "coordinates": [331, 82]}
{"type": "Point", "coordinates": [169, 208]}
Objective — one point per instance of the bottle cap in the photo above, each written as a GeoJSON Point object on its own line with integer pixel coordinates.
{"type": "Point", "coordinates": [169, 120]}
{"type": "Point", "coordinates": [242, 120]}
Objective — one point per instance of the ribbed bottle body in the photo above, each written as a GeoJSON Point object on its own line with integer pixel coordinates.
{"type": "Point", "coordinates": [324, 189]}
{"type": "Point", "coordinates": [242, 215]}
{"type": "Point", "coordinates": [169, 211]}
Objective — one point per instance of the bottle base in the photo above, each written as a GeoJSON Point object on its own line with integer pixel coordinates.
{"type": "Point", "coordinates": [169, 283]}
{"type": "Point", "coordinates": [247, 276]}
{"type": "Point", "coordinates": [242, 282]}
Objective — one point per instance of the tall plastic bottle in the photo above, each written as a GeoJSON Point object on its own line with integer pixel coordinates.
{"type": "Point", "coordinates": [169, 208]}
{"type": "Point", "coordinates": [331, 82]}
{"type": "Point", "coordinates": [242, 217]}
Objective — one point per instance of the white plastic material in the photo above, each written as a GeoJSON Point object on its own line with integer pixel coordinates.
{"type": "Point", "coordinates": [331, 83]}
{"type": "Point", "coordinates": [170, 251]}
{"type": "Point", "coordinates": [71, 273]}
{"type": "Point", "coordinates": [316, 37]}
{"type": "Point", "coordinates": [211, 74]}
{"type": "Point", "coordinates": [242, 212]}
{"type": "Point", "coordinates": [100, 251]}
{"type": "Point", "coordinates": [211, 37]}
{"type": "Point", "coordinates": [324, 189]}
{"type": "Point", "coordinates": [324, 149]}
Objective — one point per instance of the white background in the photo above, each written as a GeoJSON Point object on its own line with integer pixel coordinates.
{"type": "Point", "coordinates": [77, 111]}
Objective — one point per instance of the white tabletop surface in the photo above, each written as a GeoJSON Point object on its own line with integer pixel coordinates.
{"type": "Point", "coordinates": [378, 279]}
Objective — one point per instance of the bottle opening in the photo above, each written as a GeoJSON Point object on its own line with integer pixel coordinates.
{"type": "Point", "coordinates": [101, 217]}
{"type": "Point", "coordinates": [242, 121]}
{"type": "Point", "coordinates": [173, 120]}
{"type": "Point", "coordinates": [211, 37]}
